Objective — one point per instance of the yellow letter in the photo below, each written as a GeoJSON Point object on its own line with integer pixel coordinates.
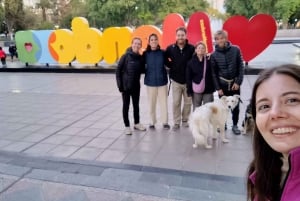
{"type": "Point", "coordinates": [87, 41]}
{"type": "Point", "coordinates": [115, 41]}
{"type": "Point", "coordinates": [61, 46]}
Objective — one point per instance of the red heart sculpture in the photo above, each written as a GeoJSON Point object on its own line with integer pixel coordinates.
{"type": "Point", "coordinates": [199, 30]}
{"type": "Point", "coordinates": [170, 24]}
{"type": "Point", "coordinates": [251, 36]}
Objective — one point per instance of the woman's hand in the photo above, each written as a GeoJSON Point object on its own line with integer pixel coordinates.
{"type": "Point", "coordinates": [220, 92]}
{"type": "Point", "coordinates": [235, 87]}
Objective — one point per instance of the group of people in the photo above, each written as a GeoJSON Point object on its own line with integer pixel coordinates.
{"type": "Point", "coordinates": [274, 173]}
{"type": "Point", "coordinates": [12, 51]}
{"type": "Point", "coordinates": [190, 68]}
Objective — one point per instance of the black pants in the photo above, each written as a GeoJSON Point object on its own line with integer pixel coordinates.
{"type": "Point", "coordinates": [236, 110]}
{"type": "Point", "coordinates": [3, 61]}
{"type": "Point", "coordinates": [135, 96]}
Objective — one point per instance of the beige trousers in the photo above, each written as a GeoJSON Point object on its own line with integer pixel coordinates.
{"type": "Point", "coordinates": [160, 94]}
{"type": "Point", "coordinates": [179, 92]}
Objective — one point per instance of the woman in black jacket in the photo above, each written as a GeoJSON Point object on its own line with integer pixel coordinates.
{"type": "Point", "coordinates": [195, 73]}
{"type": "Point", "coordinates": [128, 74]}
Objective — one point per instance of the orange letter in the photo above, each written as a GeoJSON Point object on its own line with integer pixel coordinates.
{"type": "Point", "coordinates": [144, 31]}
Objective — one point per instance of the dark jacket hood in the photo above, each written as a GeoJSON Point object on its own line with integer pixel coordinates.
{"type": "Point", "coordinates": [223, 49]}
{"type": "Point", "coordinates": [129, 51]}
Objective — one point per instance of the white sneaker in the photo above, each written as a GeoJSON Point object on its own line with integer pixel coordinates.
{"type": "Point", "coordinates": [139, 127]}
{"type": "Point", "coordinates": [127, 131]}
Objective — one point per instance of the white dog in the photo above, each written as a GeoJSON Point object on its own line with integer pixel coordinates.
{"type": "Point", "coordinates": [206, 119]}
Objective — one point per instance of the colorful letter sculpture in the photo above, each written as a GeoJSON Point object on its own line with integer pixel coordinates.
{"type": "Point", "coordinates": [89, 45]}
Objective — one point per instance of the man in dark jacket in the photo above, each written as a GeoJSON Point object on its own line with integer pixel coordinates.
{"type": "Point", "coordinates": [128, 74]}
{"type": "Point", "coordinates": [179, 54]}
{"type": "Point", "coordinates": [228, 73]}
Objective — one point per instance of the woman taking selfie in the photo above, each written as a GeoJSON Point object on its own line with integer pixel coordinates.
{"type": "Point", "coordinates": [274, 173]}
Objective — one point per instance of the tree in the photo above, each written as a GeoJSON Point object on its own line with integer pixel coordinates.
{"type": "Point", "coordinates": [280, 9]}
{"type": "Point", "coordinates": [237, 7]}
{"type": "Point", "coordinates": [94, 7]}
{"type": "Point", "coordinates": [1, 11]}
{"type": "Point", "coordinates": [105, 13]}
{"type": "Point", "coordinates": [264, 6]}
{"type": "Point", "coordinates": [285, 9]}
{"type": "Point", "coordinates": [74, 8]}
{"type": "Point", "coordinates": [31, 20]}
{"type": "Point", "coordinates": [13, 12]}
{"type": "Point", "coordinates": [295, 16]}
{"type": "Point", "coordinates": [45, 5]}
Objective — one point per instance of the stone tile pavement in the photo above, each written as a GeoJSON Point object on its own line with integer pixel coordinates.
{"type": "Point", "coordinates": [61, 138]}
{"type": "Point", "coordinates": [43, 178]}
{"type": "Point", "coordinates": [65, 131]}
{"type": "Point", "coordinates": [78, 116]}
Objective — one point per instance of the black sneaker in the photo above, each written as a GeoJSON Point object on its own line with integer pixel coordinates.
{"type": "Point", "coordinates": [151, 126]}
{"type": "Point", "coordinates": [166, 126]}
{"type": "Point", "coordinates": [236, 130]}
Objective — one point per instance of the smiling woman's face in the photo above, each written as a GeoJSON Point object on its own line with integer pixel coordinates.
{"type": "Point", "coordinates": [200, 50]}
{"type": "Point", "coordinates": [278, 112]}
{"type": "Point", "coordinates": [153, 42]}
{"type": "Point", "coordinates": [136, 45]}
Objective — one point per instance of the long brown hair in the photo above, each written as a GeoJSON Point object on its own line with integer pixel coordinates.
{"type": "Point", "coordinates": [148, 46]}
{"type": "Point", "coordinates": [267, 163]}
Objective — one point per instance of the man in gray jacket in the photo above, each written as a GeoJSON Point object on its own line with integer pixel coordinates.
{"type": "Point", "coordinates": [228, 71]}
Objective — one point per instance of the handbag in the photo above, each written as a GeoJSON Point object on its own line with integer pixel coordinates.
{"type": "Point", "coordinates": [199, 88]}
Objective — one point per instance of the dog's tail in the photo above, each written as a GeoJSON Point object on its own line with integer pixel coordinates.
{"type": "Point", "coordinates": [196, 130]}
{"type": "Point", "coordinates": [199, 139]}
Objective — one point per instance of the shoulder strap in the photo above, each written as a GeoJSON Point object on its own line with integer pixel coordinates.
{"type": "Point", "coordinates": [204, 66]}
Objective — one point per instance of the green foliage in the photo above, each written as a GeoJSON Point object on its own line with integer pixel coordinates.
{"type": "Point", "coordinates": [103, 13]}
{"type": "Point", "coordinates": [106, 13]}
{"type": "Point", "coordinates": [1, 14]}
{"type": "Point", "coordinates": [264, 6]}
{"type": "Point", "coordinates": [45, 5]}
{"type": "Point", "coordinates": [75, 8]}
{"type": "Point", "coordinates": [14, 14]}
{"type": "Point", "coordinates": [280, 9]}
{"type": "Point", "coordinates": [295, 16]}
{"type": "Point", "coordinates": [45, 25]}
{"type": "Point", "coordinates": [237, 7]}
{"type": "Point", "coordinates": [30, 19]}
{"type": "Point", "coordinates": [285, 9]}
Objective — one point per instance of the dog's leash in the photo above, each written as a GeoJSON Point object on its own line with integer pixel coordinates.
{"type": "Point", "coordinates": [228, 82]}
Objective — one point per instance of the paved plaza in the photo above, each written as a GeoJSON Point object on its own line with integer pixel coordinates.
{"type": "Point", "coordinates": [61, 138]}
